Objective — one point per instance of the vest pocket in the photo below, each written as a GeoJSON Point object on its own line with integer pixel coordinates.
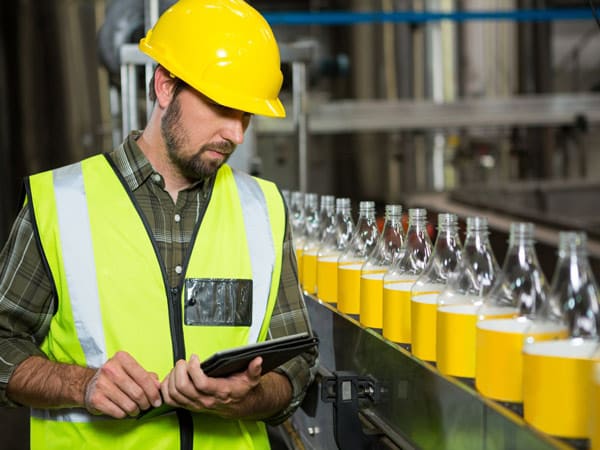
{"type": "Point", "coordinates": [218, 302]}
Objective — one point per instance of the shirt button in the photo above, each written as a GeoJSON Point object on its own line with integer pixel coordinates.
{"type": "Point", "coordinates": [178, 269]}
{"type": "Point", "coordinates": [177, 218]}
{"type": "Point", "coordinates": [156, 177]}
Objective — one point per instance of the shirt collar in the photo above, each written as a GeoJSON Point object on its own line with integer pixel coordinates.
{"type": "Point", "coordinates": [131, 162]}
{"type": "Point", "coordinates": [135, 167]}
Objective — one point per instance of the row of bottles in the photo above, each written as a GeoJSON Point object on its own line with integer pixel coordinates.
{"type": "Point", "coordinates": [519, 340]}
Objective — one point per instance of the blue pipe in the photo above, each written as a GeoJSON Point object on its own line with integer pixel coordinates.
{"type": "Point", "coordinates": [350, 18]}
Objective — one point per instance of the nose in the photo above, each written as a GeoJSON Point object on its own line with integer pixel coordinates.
{"type": "Point", "coordinates": [235, 128]}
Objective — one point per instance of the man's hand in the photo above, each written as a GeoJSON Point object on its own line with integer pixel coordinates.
{"type": "Point", "coordinates": [243, 395]}
{"type": "Point", "coordinates": [121, 388]}
{"type": "Point", "coordinates": [187, 386]}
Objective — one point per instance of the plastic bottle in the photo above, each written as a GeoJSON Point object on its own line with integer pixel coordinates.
{"type": "Point", "coordinates": [310, 229]}
{"type": "Point", "coordinates": [519, 294]}
{"type": "Point", "coordinates": [459, 302]}
{"type": "Point", "coordinates": [444, 260]}
{"type": "Point", "coordinates": [351, 260]}
{"type": "Point", "coordinates": [336, 237]}
{"type": "Point", "coordinates": [386, 252]}
{"type": "Point", "coordinates": [312, 242]}
{"type": "Point", "coordinates": [399, 279]}
{"type": "Point", "coordinates": [297, 220]}
{"type": "Point", "coordinates": [558, 374]}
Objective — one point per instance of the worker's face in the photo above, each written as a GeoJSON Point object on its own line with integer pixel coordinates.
{"type": "Point", "coordinates": [200, 135]}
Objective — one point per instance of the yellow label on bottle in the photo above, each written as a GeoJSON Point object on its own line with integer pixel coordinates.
{"type": "Point", "coordinates": [309, 272]}
{"type": "Point", "coordinates": [299, 253]}
{"type": "Point", "coordinates": [327, 278]}
{"type": "Point", "coordinates": [456, 337]}
{"type": "Point", "coordinates": [455, 340]}
{"type": "Point", "coordinates": [396, 311]}
{"type": "Point", "coordinates": [349, 288]}
{"type": "Point", "coordinates": [557, 386]}
{"type": "Point", "coordinates": [499, 360]}
{"type": "Point", "coordinates": [423, 312]}
{"type": "Point", "coordinates": [371, 299]}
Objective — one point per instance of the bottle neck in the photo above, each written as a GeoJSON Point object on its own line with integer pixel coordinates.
{"type": "Point", "coordinates": [575, 264]}
{"type": "Point", "coordinates": [448, 235]}
{"type": "Point", "coordinates": [343, 212]}
{"type": "Point", "coordinates": [478, 239]}
{"type": "Point", "coordinates": [520, 253]}
{"type": "Point", "coordinates": [392, 222]}
{"type": "Point", "coordinates": [366, 220]}
{"type": "Point", "coordinates": [574, 296]}
{"type": "Point", "coordinates": [447, 243]}
{"type": "Point", "coordinates": [366, 213]}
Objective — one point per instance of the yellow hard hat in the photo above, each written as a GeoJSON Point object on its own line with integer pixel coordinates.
{"type": "Point", "coordinates": [222, 48]}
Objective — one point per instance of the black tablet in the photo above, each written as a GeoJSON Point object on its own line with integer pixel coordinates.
{"type": "Point", "coordinates": [274, 353]}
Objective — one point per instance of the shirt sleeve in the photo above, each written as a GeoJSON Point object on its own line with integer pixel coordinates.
{"type": "Point", "coordinates": [26, 300]}
{"type": "Point", "coordinates": [290, 316]}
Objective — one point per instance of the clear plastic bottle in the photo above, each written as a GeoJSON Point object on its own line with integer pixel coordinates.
{"type": "Point", "coordinates": [386, 252]}
{"type": "Point", "coordinates": [459, 302]}
{"type": "Point", "coordinates": [312, 243]}
{"type": "Point", "coordinates": [558, 374]}
{"type": "Point", "coordinates": [297, 220]}
{"type": "Point", "coordinates": [310, 227]}
{"type": "Point", "coordinates": [311, 239]}
{"type": "Point", "coordinates": [424, 293]}
{"type": "Point", "coordinates": [399, 279]}
{"type": "Point", "coordinates": [336, 237]}
{"type": "Point", "coordinates": [351, 260]}
{"type": "Point", "coordinates": [519, 294]}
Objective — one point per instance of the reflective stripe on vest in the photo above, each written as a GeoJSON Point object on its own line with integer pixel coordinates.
{"type": "Point", "coordinates": [260, 245]}
{"type": "Point", "coordinates": [80, 268]}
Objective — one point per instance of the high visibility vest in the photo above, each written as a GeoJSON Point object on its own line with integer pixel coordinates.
{"type": "Point", "coordinates": [113, 295]}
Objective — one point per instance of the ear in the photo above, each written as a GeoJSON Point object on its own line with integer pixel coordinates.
{"type": "Point", "coordinates": [164, 84]}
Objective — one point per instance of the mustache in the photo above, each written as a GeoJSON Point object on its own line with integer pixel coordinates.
{"type": "Point", "coordinates": [224, 147]}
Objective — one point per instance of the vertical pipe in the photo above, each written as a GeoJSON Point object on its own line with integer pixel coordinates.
{"type": "Point", "coordinates": [441, 84]}
{"type": "Point", "coordinates": [489, 69]}
{"type": "Point", "coordinates": [299, 87]}
{"type": "Point", "coordinates": [151, 13]}
{"type": "Point", "coordinates": [389, 54]}
{"type": "Point", "coordinates": [535, 71]}
{"type": "Point", "coordinates": [365, 146]}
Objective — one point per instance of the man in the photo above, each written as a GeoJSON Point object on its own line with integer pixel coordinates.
{"type": "Point", "coordinates": [125, 270]}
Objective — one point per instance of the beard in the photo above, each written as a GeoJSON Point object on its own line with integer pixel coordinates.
{"type": "Point", "coordinates": [193, 167]}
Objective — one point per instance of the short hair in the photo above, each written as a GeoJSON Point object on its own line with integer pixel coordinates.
{"type": "Point", "coordinates": [179, 84]}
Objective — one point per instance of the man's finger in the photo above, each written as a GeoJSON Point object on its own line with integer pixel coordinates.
{"type": "Point", "coordinates": [142, 386]}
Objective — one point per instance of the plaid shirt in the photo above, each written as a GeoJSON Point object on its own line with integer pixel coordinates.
{"type": "Point", "coordinates": [27, 302]}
